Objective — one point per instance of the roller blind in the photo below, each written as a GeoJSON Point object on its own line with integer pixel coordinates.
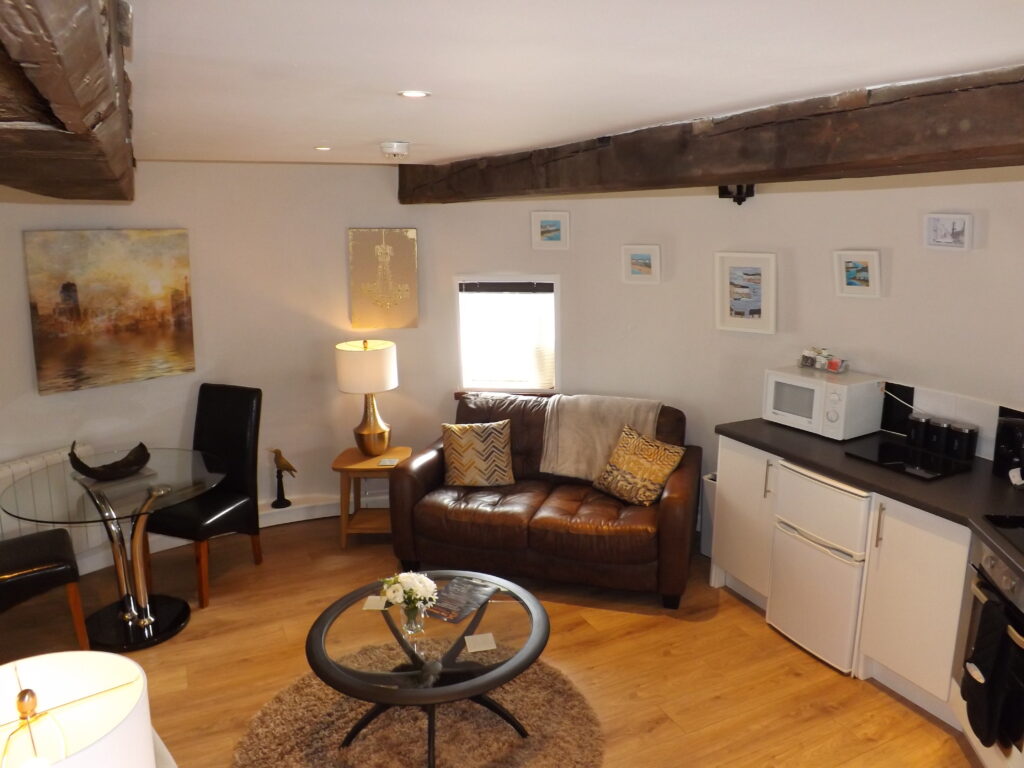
{"type": "Point", "coordinates": [507, 334]}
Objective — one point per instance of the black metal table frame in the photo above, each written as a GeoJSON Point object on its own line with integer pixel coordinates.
{"type": "Point", "coordinates": [460, 680]}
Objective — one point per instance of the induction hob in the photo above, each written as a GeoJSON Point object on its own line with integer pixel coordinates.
{"type": "Point", "coordinates": [892, 452]}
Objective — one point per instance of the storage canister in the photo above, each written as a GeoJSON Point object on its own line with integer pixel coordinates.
{"type": "Point", "coordinates": [936, 435]}
{"type": "Point", "coordinates": [962, 441]}
{"type": "Point", "coordinates": [917, 425]}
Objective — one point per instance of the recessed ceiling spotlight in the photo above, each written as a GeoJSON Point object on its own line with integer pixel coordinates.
{"type": "Point", "coordinates": [414, 94]}
{"type": "Point", "coordinates": [322, 149]}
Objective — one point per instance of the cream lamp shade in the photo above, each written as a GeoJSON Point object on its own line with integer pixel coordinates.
{"type": "Point", "coordinates": [76, 709]}
{"type": "Point", "coordinates": [364, 368]}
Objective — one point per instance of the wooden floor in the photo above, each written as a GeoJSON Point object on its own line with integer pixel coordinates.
{"type": "Point", "coordinates": [708, 685]}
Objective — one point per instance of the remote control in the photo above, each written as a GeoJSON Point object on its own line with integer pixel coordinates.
{"type": "Point", "coordinates": [387, 462]}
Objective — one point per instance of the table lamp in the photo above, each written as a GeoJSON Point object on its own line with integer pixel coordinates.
{"type": "Point", "coordinates": [364, 368]}
{"type": "Point", "coordinates": [76, 709]}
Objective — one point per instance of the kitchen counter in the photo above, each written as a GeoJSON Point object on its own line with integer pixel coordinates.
{"type": "Point", "coordinates": [964, 498]}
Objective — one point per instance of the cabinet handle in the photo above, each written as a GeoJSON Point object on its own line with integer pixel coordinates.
{"type": "Point", "coordinates": [764, 490]}
{"type": "Point", "coordinates": [878, 530]}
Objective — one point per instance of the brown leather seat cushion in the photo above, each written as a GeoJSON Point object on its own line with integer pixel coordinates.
{"type": "Point", "coordinates": [491, 518]}
{"type": "Point", "coordinates": [577, 522]}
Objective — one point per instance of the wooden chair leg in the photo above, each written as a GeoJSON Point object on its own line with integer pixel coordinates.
{"type": "Point", "coordinates": [77, 616]}
{"type": "Point", "coordinates": [202, 549]}
{"type": "Point", "coordinates": [257, 549]}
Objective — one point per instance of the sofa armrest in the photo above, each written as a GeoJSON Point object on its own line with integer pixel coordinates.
{"type": "Point", "coordinates": [409, 482]}
{"type": "Point", "coordinates": [677, 520]}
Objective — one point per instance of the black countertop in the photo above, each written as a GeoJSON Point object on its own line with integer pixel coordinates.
{"type": "Point", "coordinates": [965, 498]}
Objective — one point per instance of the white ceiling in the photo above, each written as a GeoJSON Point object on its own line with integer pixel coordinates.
{"type": "Point", "coordinates": [269, 80]}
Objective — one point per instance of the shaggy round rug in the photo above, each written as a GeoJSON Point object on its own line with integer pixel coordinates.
{"type": "Point", "coordinates": [303, 726]}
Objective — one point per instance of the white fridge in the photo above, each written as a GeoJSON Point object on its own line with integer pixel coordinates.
{"type": "Point", "coordinates": [817, 567]}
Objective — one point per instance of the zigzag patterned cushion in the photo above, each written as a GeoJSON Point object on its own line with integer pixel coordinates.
{"type": "Point", "coordinates": [478, 454]}
{"type": "Point", "coordinates": [638, 468]}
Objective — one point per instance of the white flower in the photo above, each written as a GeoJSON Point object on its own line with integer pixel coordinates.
{"type": "Point", "coordinates": [394, 594]}
{"type": "Point", "coordinates": [409, 589]}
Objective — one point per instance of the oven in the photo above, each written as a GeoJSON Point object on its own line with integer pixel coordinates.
{"type": "Point", "coordinates": [991, 673]}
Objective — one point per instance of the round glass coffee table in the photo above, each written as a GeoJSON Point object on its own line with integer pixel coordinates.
{"type": "Point", "coordinates": [364, 653]}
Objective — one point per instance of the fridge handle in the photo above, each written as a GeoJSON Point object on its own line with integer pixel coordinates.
{"type": "Point", "coordinates": [878, 528]}
{"type": "Point", "coordinates": [842, 557]}
{"type": "Point", "coordinates": [832, 485]}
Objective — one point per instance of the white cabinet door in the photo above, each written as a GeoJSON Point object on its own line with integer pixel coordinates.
{"type": "Point", "coordinates": [915, 581]}
{"type": "Point", "coordinates": [744, 513]}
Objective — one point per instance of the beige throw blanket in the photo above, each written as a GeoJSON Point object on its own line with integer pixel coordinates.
{"type": "Point", "coordinates": [580, 431]}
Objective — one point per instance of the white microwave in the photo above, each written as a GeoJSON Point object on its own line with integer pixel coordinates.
{"type": "Point", "coordinates": [834, 405]}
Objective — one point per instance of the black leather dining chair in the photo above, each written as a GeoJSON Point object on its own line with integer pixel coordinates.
{"type": "Point", "coordinates": [227, 427]}
{"type": "Point", "coordinates": [36, 563]}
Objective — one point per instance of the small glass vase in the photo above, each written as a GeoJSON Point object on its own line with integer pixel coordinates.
{"type": "Point", "coordinates": [414, 617]}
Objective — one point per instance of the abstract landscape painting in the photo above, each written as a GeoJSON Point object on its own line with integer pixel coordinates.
{"type": "Point", "coordinates": [745, 292]}
{"type": "Point", "coordinates": [858, 273]}
{"type": "Point", "coordinates": [108, 306]}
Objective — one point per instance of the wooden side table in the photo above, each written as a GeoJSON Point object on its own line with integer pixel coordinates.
{"type": "Point", "coordinates": [354, 466]}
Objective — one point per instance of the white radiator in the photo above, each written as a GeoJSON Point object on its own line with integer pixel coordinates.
{"type": "Point", "coordinates": [92, 547]}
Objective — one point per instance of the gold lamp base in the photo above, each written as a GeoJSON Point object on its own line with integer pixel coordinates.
{"type": "Point", "coordinates": [373, 435]}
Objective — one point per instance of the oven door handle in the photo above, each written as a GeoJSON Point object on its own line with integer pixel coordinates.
{"type": "Point", "coordinates": [1016, 637]}
{"type": "Point", "coordinates": [972, 670]}
{"type": "Point", "coordinates": [978, 592]}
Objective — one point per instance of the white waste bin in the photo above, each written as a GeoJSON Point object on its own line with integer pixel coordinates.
{"type": "Point", "coordinates": [707, 512]}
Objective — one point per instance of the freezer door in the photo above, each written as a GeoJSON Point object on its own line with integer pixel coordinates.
{"type": "Point", "coordinates": [814, 596]}
{"type": "Point", "coordinates": [829, 511]}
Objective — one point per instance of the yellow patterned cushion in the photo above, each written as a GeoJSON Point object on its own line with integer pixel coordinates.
{"type": "Point", "coordinates": [638, 468]}
{"type": "Point", "coordinates": [477, 454]}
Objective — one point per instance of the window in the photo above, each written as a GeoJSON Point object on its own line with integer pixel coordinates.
{"type": "Point", "coordinates": [507, 332]}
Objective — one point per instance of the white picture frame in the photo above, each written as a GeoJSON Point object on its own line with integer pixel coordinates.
{"type": "Point", "coordinates": [949, 231]}
{"type": "Point", "coordinates": [549, 230]}
{"type": "Point", "coordinates": [641, 264]}
{"type": "Point", "coordinates": [745, 290]}
{"type": "Point", "coordinates": [858, 274]}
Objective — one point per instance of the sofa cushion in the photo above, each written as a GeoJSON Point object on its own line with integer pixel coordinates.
{"type": "Point", "coordinates": [526, 414]}
{"type": "Point", "coordinates": [477, 454]}
{"type": "Point", "coordinates": [638, 468]}
{"type": "Point", "coordinates": [577, 522]}
{"type": "Point", "coordinates": [490, 518]}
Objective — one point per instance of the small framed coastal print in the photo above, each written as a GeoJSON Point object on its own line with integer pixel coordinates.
{"type": "Point", "coordinates": [549, 230]}
{"type": "Point", "coordinates": [858, 273]}
{"type": "Point", "coordinates": [745, 292]}
{"type": "Point", "coordinates": [948, 231]}
{"type": "Point", "coordinates": [641, 264]}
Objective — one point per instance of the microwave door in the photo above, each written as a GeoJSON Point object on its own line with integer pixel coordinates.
{"type": "Point", "coordinates": [796, 403]}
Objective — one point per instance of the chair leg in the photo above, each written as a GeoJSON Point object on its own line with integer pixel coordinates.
{"type": "Point", "coordinates": [257, 549]}
{"type": "Point", "coordinates": [202, 549]}
{"type": "Point", "coordinates": [77, 616]}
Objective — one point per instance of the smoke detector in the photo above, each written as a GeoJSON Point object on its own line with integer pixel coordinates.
{"type": "Point", "coordinates": [394, 149]}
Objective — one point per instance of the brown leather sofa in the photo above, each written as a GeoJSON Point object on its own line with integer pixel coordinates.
{"type": "Point", "coordinates": [546, 526]}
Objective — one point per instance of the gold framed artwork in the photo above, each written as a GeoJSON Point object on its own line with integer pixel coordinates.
{"type": "Point", "coordinates": [383, 286]}
{"type": "Point", "coordinates": [108, 306]}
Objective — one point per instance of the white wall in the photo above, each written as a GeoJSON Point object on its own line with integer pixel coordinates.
{"type": "Point", "coordinates": [270, 299]}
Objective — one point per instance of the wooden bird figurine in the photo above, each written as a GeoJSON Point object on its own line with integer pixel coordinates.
{"type": "Point", "coordinates": [282, 463]}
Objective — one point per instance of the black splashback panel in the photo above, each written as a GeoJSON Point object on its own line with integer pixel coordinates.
{"type": "Point", "coordinates": [895, 413]}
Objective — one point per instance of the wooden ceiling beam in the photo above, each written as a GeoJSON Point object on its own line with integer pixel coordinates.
{"type": "Point", "coordinates": [79, 145]}
{"type": "Point", "coordinates": [967, 121]}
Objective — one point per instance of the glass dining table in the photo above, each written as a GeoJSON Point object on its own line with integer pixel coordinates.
{"type": "Point", "coordinates": [58, 495]}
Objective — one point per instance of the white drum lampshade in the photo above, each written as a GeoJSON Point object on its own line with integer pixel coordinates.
{"type": "Point", "coordinates": [366, 367]}
{"type": "Point", "coordinates": [82, 709]}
